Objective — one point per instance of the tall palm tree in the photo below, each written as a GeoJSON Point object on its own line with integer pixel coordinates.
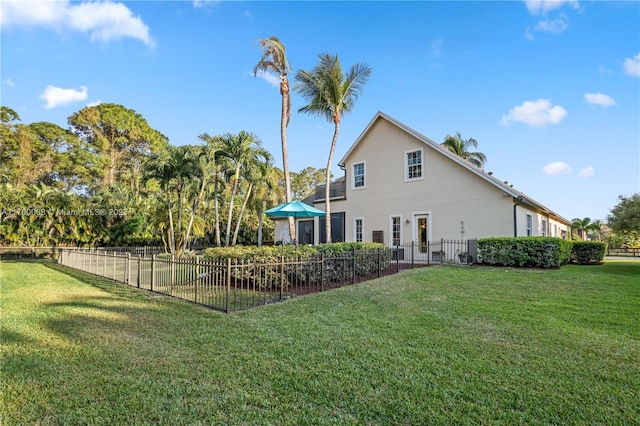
{"type": "Point", "coordinates": [331, 93]}
{"type": "Point", "coordinates": [460, 147]}
{"type": "Point", "coordinates": [240, 149]}
{"type": "Point", "coordinates": [274, 59]}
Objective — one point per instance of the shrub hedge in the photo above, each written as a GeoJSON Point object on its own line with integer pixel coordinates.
{"type": "Point", "coordinates": [588, 252]}
{"type": "Point", "coordinates": [341, 261]}
{"type": "Point", "coordinates": [537, 252]}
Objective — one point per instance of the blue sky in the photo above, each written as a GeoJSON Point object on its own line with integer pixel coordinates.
{"type": "Point", "coordinates": [550, 89]}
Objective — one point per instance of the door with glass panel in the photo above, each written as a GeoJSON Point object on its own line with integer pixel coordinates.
{"type": "Point", "coordinates": [422, 232]}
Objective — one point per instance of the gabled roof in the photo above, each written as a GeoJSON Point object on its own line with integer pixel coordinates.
{"type": "Point", "coordinates": [502, 185]}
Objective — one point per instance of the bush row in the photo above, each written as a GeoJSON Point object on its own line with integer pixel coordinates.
{"type": "Point", "coordinates": [337, 262]}
{"type": "Point", "coordinates": [539, 252]}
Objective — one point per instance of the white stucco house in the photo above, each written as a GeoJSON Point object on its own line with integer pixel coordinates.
{"type": "Point", "coordinates": [401, 187]}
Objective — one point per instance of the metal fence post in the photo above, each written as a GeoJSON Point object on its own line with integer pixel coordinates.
{"type": "Point", "coordinates": [353, 266]}
{"type": "Point", "coordinates": [412, 254]}
{"type": "Point", "coordinates": [153, 271]}
{"type": "Point", "coordinates": [322, 272]}
{"type": "Point", "coordinates": [228, 278]}
{"type": "Point", "coordinates": [197, 280]}
{"type": "Point", "coordinates": [281, 277]}
{"type": "Point", "coordinates": [127, 263]}
{"type": "Point", "coordinates": [172, 271]}
{"type": "Point", "coordinates": [139, 272]}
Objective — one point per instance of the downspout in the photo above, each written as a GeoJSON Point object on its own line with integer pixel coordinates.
{"type": "Point", "coordinates": [515, 221]}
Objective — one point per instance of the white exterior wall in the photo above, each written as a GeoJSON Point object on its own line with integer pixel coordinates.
{"type": "Point", "coordinates": [448, 193]}
{"type": "Point", "coordinates": [458, 201]}
{"type": "Point", "coordinates": [555, 228]}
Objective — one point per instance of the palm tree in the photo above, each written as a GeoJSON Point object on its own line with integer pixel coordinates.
{"type": "Point", "coordinates": [460, 147]}
{"type": "Point", "coordinates": [596, 227]}
{"type": "Point", "coordinates": [254, 173]}
{"type": "Point", "coordinates": [331, 94]}
{"type": "Point", "coordinates": [581, 226]}
{"type": "Point", "coordinates": [274, 59]}
{"type": "Point", "coordinates": [240, 149]}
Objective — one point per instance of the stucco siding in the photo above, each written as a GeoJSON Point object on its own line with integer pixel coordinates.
{"type": "Point", "coordinates": [453, 197]}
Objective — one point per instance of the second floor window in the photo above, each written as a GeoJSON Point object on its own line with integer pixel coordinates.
{"type": "Point", "coordinates": [414, 165]}
{"type": "Point", "coordinates": [358, 175]}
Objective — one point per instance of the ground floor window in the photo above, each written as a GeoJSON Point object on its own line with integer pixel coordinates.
{"type": "Point", "coordinates": [529, 225]}
{"type": "Point", "coordinates": [395, 230]}
{"type": "Point", "coordinates": [357, 229]}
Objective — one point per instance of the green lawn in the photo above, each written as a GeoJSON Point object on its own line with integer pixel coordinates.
{"type": "Point", "coordinates": [440, 345]}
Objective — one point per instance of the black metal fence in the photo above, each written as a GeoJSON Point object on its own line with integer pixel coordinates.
{"type": "Point", "coordinates": [461, 252]}
{"type": "Point", "coordinates": [230, 285]}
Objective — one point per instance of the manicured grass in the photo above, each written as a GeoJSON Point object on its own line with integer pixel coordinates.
{"type": "Point", "coordinates": [440, 345]}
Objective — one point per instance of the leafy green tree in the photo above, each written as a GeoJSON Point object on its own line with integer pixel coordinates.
{"type": "Point", "coordinates": [304, 183]}
{"type": "Point", "coordinates": [274, 59]}
{"type": "Point", "coordinates": [624, 218]}
{"type": "Point", "coordinates": [331, 93]}
{"type": "Point", "coordinates": [460, 146]}
{"type": "Point", "coordinates": [121, 138]}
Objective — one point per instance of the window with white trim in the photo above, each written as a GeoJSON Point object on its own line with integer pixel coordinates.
{"type": "Point", "coordinates": [413, 165]}
{"type": "Point", "coordinates": [395, 230]}
{"type": "Point", "coordinates": [544, 228]}
{"type": "Point", "coordinates": [358, 175]}
{"type": "Point", "coordinates": [529, 225]}
{"type": "Point", "coordinates": [358, 229]}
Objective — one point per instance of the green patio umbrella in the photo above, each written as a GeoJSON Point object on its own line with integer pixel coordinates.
{"type": "Point", "coordinates": [294, 209]}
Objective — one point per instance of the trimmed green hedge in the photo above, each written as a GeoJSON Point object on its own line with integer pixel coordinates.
{"type": "Point", "coordinates": [537, 252]}
{"type": "Point", "coordinates": [341, 261]}
{"type": "Point", "coordinates": [588, 252]}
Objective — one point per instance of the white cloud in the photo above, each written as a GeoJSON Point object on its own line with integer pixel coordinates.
{"type": "Point", "coordinates": [632, 66]}
{"type": "Point", "coordinates": [94, 103]}
{"type": "Point", "coordinates": [587, 172]}
{"type": "Point", "coordinates": [56, 96]}
{"type": "Point", "coordinates": [541, 7]}
{"type": "Point", "coordinates": [104, 21]}
{"type": "Point", "coordinates": [203, 3]}
{"type": "Point", "coordinates": [538, 113]}
{"type": "Point", "coordinates": [8, 82]}
{"type": "Point", "coordinates": [557, 168]}
{"type": "Point", "coordinates": [555, 26]}
{"type": "Point", "coordinates": [599, 99]}
{"type": "Point", "coordinates": [604, 70]}
{"type": "Point", "coordinates": [269, 78]}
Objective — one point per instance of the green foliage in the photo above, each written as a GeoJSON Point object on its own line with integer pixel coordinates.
{"type": "Point", "coordinates": [460, 147]}
{"type": "Point", "coordinates": [624, 218]}
{"type": "Point", "coordinates": [588, 252]}
{"type": "Point", "coordinates": [302, 264]}
{"type": "Point", "coordinates": [537, 252]}
{"type": "Point", "coordinates": [121, 138]}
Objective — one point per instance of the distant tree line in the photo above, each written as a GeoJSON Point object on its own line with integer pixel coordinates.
{"type": "Point", "coordinates": [111, 179]}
